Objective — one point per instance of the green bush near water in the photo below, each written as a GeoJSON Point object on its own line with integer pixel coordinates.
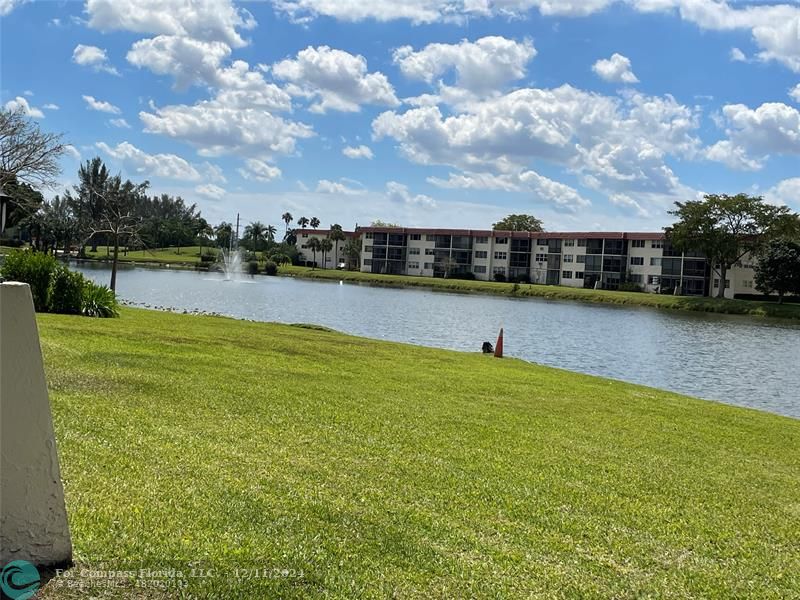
{"type": "Point", "coordinates": [55, 288]}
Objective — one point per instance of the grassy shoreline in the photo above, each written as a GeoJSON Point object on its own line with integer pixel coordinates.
{"type": "Point", "coordinates": [362, 468]}
{"type": "Point", "coordinates": [189, 258]}
{"type": "Point", "coordinates": [553, 292]}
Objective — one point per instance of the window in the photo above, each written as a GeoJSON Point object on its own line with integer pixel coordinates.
{"type": "Point", "coordinates": [367, 262]}
{"type": "Point", "coordinates": [637, 260]}
{"type": "Point", "coordinates": [501, 240]}
{"type": "Point", "coordinates": [429, 266]}
{"type": "Point", "coordinates": [635, 278]}
{"type": "Point", "coordinates": [414, 236]}
{"type": "Point", "coordinates": [746, 283]}
{"type": "Point", "coordinates": [541, 242]}
{"type": "Point", "coordinates": [567, 258]}
{"type": "Point", "coordinates": [499, 270]}
{"type": "Point", "coordinates": [479, 269]}
{"type": "Point", "coordinates": [581, 243]}
{"type": "Point", "coordinates": [566, 274]}
{"type": "Point", "coordinates": [305, 235]}
{"type": "Point", "coordinates": [653, 280]}
{"type": "Point", "coordinates": [413, 265]}
{"type": "Point", "coordinates": [500, 255]}
{"type": "Point", "coordinates": [430, 238]}
{"type": "Point", "coordinates": [481, 254]}
{"type": "Point", "coordinates": [637, 243]}
{"type": "Point", "coordinates": [657, 243]}
{"type": "Point", "coordinates": [581, 258]}
{"type": "Point", "coordinates": [727, 283]}
{"type": "Point", "coordinates": [367, 248]}
{"type": "Point", "coordinates": [569, 242]}
{"type": "Point", "coordinates": [482, 239]}
{"type": "Point", "coordinates": [368, 235]}
{"type": "Point", "coordinates": [541, 258]}
{"type": "Point", "coordinates": [655, 261]}
{"type": "Point", "coordinates": [578, 274]}
{"type": "Point", "coordinates": [428, 251]}
{"type": "Point", "coordinates": [413, 250]}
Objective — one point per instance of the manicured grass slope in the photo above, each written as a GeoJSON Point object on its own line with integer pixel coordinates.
{"type": "Point", "coordinates": [381, 469]}
{"type": "Point", "coordinates": [557, 292]}
{"type": "Point", "coordinates": [185, 255]}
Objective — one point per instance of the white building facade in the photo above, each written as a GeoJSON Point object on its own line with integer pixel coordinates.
{"type": "Point", "coordinates": [576, 259]}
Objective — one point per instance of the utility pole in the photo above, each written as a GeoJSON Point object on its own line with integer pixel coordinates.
{"type": "Point", "coordinates": [237, 230]}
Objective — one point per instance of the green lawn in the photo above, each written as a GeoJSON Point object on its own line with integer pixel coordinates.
{"type": "Point", "coordinates": [373, 469]}
{"type": "Point", "coordinates": [556, 292]}
{"type": "Point", "coordinates": [187, 255]}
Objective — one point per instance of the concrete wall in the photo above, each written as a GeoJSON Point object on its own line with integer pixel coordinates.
{"type": "Point", "coordinates": [33, 518]}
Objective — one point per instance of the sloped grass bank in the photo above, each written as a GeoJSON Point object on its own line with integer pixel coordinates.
{"type": "Point", "coordinates": [553, 292]}
{"type": "Point", "coordinates": [343, 467]}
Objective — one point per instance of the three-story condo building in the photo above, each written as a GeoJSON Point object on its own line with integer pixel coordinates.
{"type": "Point", "coordinates": [576, 259]}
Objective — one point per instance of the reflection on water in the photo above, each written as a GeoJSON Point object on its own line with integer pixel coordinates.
{"type": "Point", "coordinates": [740, 360]}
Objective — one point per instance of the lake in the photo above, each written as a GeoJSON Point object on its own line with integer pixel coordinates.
{"type": "Point", "coordinates": [739, 360]}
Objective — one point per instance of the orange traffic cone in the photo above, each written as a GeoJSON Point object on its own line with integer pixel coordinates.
{"type": "Point", "coordinates": [498, 347]}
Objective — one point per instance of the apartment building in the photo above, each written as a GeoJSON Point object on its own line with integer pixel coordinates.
{"type": "Point", "coordinates": [576, 259]}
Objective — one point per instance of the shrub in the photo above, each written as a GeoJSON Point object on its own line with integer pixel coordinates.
{"type": "Point", "coordinates": [521, 279]}
{"type": "Point", "coordinates": [66, 291]}
{"type": "Point", "coordinates": [207, 258]}
{"type": "Point", "coordinates": [99, 301]}
{"type": "Point", "coordinates": [280, 259]}
{"type": "Point", "coordinates": [33, 268]}
{"type": "Point", "coordinates": [252, 267]}
{"type": "Point", "coordinates": [12, 243]}
{"type": "Point", "coordinates": [501, 277]}
{"type": "Point", "coordinates": [629, 286]}
{"type": "Point", "coordinates": [270, 268]}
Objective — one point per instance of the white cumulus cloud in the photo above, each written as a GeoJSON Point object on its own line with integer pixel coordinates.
{"type": "Point", "coordinates": [398, 192]}
{"type": "Point", "coordinates": [121, 123]}
{"type": "Point", "coordinates": [207, 20]}
{"type": "Point", "coordinates": [170, 166]}
{"type": "Point", "coordinates": [616, 69]}
{"type": "Point", "coordinates": [480, 66]}
{"type": "Point", "coordinates": [209, 190]}
{"type": "Point", "coordinates": [361, 151]}
{"type": "Point", "coordinates": [334, 80]}
{"type": "Point", "coordinates": [258, 170]}
{"type": "Point", "coordinates": [94, 57]}
{"type": "Point", "coordinates": [20, 103]}
{"type": "Point", "coordinates": [325, 186]}
{"type": "Point", "coordinates": [101, 105]}
{"type": "Point", "coordinates": [794, 93]}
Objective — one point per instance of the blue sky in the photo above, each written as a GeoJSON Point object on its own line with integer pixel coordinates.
{"type": "Point", "coordinates": [592, 114]}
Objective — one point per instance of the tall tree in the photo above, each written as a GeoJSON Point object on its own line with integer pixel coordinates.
{"type": "Point", "coordinates": [315, 246]}
{"type": "Point", "coordinates": [778, 269]}
{"type": "Point", "coordinates": [28, 154]}
{"type": "Point", "coordinates": [314, 222]}
{"type": "Point", "coordinates": [88, 202]}
{"type": "Point", "coordinates": [352, 250]}
{"type": "Point", "coordinates": [269, 233]}
{"type": "Point", "coordinates": [256, 233]}
{"type": "Point", "coordinates": [286, 218]}
{"type": "Point", "coordinates": [326, 245]}
{"type": "Point", "coordinates": [222, 233]}
{"type": "Point", "coordinates": [303, 222]}
{"type": "Point", "coordinates": [519, 223]}
{"type": "Point", "coordinates": [725, 228]}
{"type": "Point", "coordinates": [119, 220]}
{"type": "Point", "coordinates": [336, 235]}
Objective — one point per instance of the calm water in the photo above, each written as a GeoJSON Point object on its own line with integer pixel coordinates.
{"type": "Point", "coordinates": [744, 361]}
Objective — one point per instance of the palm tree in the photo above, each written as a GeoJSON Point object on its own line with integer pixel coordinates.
{"type": "Point", "coordinates": [223, 233]}
{"type": "Point", "coordinates": [326, 245]}
{"type": "Point", "coordinates": [303, 222]}
{"type": "Point", "coordinates": [204, 233]}
{"type": "Point", "coordinates": [337, 235]}
{"type": "Point", "coordinates": [256, 231]}
{"type": "Point", "coordinates": [269, 233]}
{"type": "Point", "coordinates": [314, 222]}
{"type": "Point", "coordinates": [287, 218]}
{"type": "Point", "coordinates": [314, 245]}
